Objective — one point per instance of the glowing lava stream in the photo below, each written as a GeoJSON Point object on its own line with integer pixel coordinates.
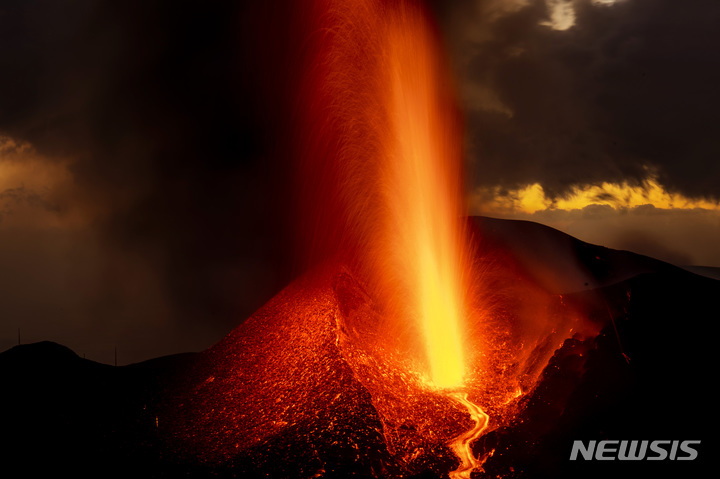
{"type": "Point", "coordinates": [461, 444]}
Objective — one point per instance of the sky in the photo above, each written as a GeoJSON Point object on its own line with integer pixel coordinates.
{"type": "Point", "coordinates": [595, 117]}
{"type": "Point", "coordinates": [146, 202]}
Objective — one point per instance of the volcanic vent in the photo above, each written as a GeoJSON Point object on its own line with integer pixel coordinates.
{"type": "Point", "coordinates": [408, 340]}
{"type": "Point", "coordinates": [307, 386]}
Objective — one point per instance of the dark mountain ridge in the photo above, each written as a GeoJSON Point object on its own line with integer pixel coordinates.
{"type": "Point", "coordinates": [645, 375]}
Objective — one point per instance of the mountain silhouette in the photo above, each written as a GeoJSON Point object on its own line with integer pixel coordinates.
{"type": "Point", "coordinates": [297, 389]}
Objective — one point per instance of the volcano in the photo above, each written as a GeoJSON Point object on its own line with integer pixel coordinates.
{"type": "Point", "coordinates": [587, 343]}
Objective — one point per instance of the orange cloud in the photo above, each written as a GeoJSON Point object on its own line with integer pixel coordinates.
{"type": "Point", "coordinates": [619, 196]}
{"type": "Point", "coordinates": [33, 189]}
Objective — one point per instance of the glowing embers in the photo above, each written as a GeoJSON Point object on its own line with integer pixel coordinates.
{"type": "Point", "coordinates": [275, 397]}
{"type": "Point", "coordinates": [420, 421]}
{"type": "Point", "coordinates": [310, 383]}
{"type": "Point", "coordinates": [426, 427]}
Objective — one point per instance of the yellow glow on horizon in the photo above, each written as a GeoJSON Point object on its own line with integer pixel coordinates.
{"type": "Point", "coordinates": [532, 198]}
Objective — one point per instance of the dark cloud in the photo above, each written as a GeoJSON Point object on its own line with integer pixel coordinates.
{"type": "Point", "coordinates": [176, 121]}
{"type": "Point", "coordinates": [629, 90]}
{"type": "Point", "coordinates": [174, 118]}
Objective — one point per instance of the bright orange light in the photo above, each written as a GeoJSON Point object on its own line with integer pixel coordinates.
{"type": "Point", "coordinates": [423, 201]}
{"type": "Point", "coordinates": [382, 173]}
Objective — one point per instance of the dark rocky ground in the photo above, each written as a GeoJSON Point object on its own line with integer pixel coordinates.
{"type": "Point", "coordinates": [649, 375]}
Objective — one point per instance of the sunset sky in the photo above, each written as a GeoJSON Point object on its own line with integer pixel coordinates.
{"type": "Point", "coordinates": [144, 178]}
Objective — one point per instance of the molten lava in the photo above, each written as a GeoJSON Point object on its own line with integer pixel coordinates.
{"type": "Point", "coordinates": [392, 204]}
{"type": "Point", "coordinates": [420, 179]}
{"type": "Point", "coordinates": [461, 446]}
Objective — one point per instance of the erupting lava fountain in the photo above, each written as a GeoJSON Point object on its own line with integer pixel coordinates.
{"type": "Point", "coordinates": [385, 135]}
{"type": "Point", "coordinates": [392, 354]}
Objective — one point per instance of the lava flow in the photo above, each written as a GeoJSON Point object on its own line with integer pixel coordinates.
{"type": "Point", "coordinates": [461, 446]}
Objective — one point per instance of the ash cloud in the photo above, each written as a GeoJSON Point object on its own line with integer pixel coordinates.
{"type": "Point", "coordinates": [629, 88]}
{"type": "Point", "coordinates": [172, 118]}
